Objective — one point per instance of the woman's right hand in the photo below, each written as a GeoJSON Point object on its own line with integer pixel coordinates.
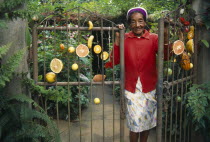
{"type": "Point", "coordinates": [117, 35]}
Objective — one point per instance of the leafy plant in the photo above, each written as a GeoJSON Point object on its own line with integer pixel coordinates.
{"type": "Point", "coordinates": [19, 122]}
{"type": "Point", "coordinates": [10, 65]}
{"type": "Point", "coordinates": [198, 106]}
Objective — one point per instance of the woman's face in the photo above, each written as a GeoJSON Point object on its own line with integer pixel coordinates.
{"type": "Point", "coordinates": [137, 24]}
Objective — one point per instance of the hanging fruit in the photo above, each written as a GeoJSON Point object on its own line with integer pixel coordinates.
{"type": "Point", "coordinates": [190, 34]}
{"type": "Point", "coordinates": [97, 49]}
{"type": "Point", "coordinates": [185, 61]}
{"type": "Point", "coordinates": [178, 47]}
{"type": "Point", "coordinates": [74, 66]}
{"type": "Point", "coordinates": [71, 49]}
{"type": "Point", "coordinates": [90, 41]}
{"type": "Point", "coordinates": [50, 77]}
{"type": "Point", "coordinates": [90, 25]}
{"type": "Point", "coordinates": [104, 55]}
{"type": "Point", "coordinates": [99, 77]}
{"type": "Point", "coordinates": [56, 65]}
{"type": "Point", "coordinates": [62, 47]}
{"type": "Point", "coordinates": [190, 46]}
{"type": "Point", "coordinates": [82, 50]}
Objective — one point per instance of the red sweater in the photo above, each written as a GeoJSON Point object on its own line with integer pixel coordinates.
{"type": "Point", "coordinates": [140, 60]}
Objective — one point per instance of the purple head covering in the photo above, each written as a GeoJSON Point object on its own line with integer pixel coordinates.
{"type": "Point", "coordinates": [140, 9]}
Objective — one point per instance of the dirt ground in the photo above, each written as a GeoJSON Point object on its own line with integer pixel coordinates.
{"type": "Point", "coordinates": [103, 129]}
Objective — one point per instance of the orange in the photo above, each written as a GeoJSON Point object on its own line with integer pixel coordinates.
{"type": "Point", "coordinates": [104, 55]}
{"type": "Point", "coordinates": [97, 49]}
{"type": "Point", "coordinates": [56, 65]}
{"type": "Point", "coordinates": [178, 47]}
{"type": "Point", "coordinates": [190, 34]}
{"type": "Point", "coordinates": [82, 50]}
{"type": "Point", "coordinates": [185, 61]}
{"type": "Point", "coordinates": [62, 47]}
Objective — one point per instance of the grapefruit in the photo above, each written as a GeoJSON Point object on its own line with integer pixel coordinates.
{"type": "Point", "coordinates": [82, 50]}
{"type": "Point", "coordinates": [178, 47]}
{"type": "Point", "coordinates": [56, 65]}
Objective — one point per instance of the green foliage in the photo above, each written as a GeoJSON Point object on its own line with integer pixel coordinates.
{"type": "Point", "coordinates": [18, 122]}
{"type": "Point", "coordinates": [198, 105]}
{"type": "Point", "coordinates": [10, 65]}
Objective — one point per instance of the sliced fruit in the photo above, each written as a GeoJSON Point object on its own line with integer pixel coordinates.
{"type": "Point", "coordinates": [185, 61]}
{"type": "Point", "coordinates": [104, 55]}
{"type": "Point", "coordinates": [99, 77]}
{"type": "Point", "coordinates": [56, 65]}
{"type": "Point", "coordinates": [178, 47]}
{"type": "Point", "coordinates": [90, 41]}
{"type": "Point", "coordinates": [190, 46]}
{"type": "Point", "coordinates": [74, 66]}
{"type": "Point", "coordinates": [90, 25]}
{"type": "Point", "coordinates": [82, 50]}
{"type": "Point", "coordinates": [97, 49]}
{"type": "Point", "coordinates": [97, 101]}
{"type": "Point", "coordinates": [71, 49]}
{"type": "Point", "coordinates": [50, 77]}
{"type": "Point", "coordinates": [62, 47]}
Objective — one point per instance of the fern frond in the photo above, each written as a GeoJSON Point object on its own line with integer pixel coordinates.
{"type": "Point", "coordinates": [9, 67]}
{"type": "Point", "coordinates": [4, 49]}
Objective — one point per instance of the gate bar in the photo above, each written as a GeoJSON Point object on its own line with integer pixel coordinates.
{"type": "Point", "coordinates": [160, 79]}
{"type": "Point", "coordinates": [64, 28]}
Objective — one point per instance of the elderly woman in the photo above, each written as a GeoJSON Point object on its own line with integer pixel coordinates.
{"type": "Point", "coordinates": [140, 48]}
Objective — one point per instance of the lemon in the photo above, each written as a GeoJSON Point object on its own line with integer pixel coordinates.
{"type": "Point", "coordinates": [74, 66]}
{"type": "Point", "coordinates": [71, 49]}
{"type": "Point", "coordinates": [190, 46]}
{"type": "Point", "coordinates": [56, 65]}
{"type": "Point", "coordinates": [50, 77]}
{"type": "Point", "coordinates": [97, 49]}
{"type": "Point", "coordinates": [104, 55]}
{"type": "Point", "coordinates": [97, 101]}
{"type": "Point", "coordinates": [191, 65]}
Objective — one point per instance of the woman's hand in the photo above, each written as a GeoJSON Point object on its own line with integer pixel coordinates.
{"type": "Point", "coordinates": [117, 35]}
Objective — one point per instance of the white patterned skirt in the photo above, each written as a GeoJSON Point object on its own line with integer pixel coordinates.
{"type": "Point", "coordinates": [141, 112]}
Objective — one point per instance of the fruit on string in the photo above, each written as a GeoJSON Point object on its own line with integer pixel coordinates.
{"type": "Point", "coordinates": [185, 61]}
{"type": "Point", "coordinates": [97, 101]}
{"type": "Point", "coordinates": [82, 50]}
{"type": "Point", "coordinates": [97, 49]}
{"type": "Point", "coordinates": [191, 65]}
{"type": "Point", "coordinates": [74, 66]}
{"type": "Point", "coordinates": [50, 77]}
{"type": "Point", "coordinates": [90, 41]}
{"type": "Point", "coordinates": [178, 47]}
{"type": "Point", "coordinates": [90, 25]}
{"type": "Point", "coordinates": [190, 34]}
{"type": "Point", "coordinates": [186, 23]}
{"type": "Point", "coordinates": [190, 46]}
{"type": "Point", "coordinates": [71, 49]}
{"type": "Point", "coordinates": [181, 11]}
{"type": "Point", "coordinates": [56, 65]}
{"type": "Point", "coordinates": [182, 20]}
{"type": "Point", "coordinates": [99, 77]}
{"type": "Point", "coordinates": [168, 71]}
{"type": "Point", "coordinates": [104, 55]}
{"type": "Point", "coordinates": [62, 47]}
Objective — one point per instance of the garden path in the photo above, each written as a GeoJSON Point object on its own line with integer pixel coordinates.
{"type": "Point", "coordinates": [97, 121]}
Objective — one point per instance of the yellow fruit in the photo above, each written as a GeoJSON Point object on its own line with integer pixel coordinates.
{"type": "Point", "coordinates": [97, 101]}
{"type": "Point", "coordinates": [178, 47]}
{"type": "Point", "coordinates": [191, 65]}
{"type": "Point", "coordinates": [35, 18]}
{"type": "Point", "coordinates": [97, 49]}
{"type": "Point", "coordinates": [190, 34]}
{"type": "Point", "coordinates": [90, 25]}
{"type": "Point", "coordinates": [50, 77]}
{"type": "Point", "coordinates": [104, 55]}
{"type": "Point", "coordinates": [74, 66]}
{"type": "Point", "coordinates": [82, 50]}
{"type": "Point", "coordinates": [192, 28]}
{"type": "Point", "coordinates": [190, 46]}
{"type": "Point", "coordinates": [71, 49]}
{"type": "Point", "coordinates": [99, 77]}
{"type": "Point", "coordinates": [90, 41]}
{"type": "Point", "coordinates": [62, 47]}
{"type": "Point", "coordinates": [185, 61]}
{"type": "Point", "coordinates": [56, 65]}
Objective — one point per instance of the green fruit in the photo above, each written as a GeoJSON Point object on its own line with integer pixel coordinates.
{"type": "Point", "coordinates": [167, 71]}
{"type": "Point", "coordinates": [178, 99]}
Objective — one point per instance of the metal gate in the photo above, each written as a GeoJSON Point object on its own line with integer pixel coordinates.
{"type": "Point", "coordinates": [172, 123]}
